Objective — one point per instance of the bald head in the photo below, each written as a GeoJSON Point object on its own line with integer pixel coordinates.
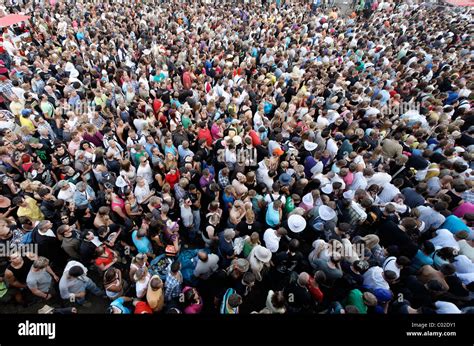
{"type": "Point", "coordinates": [203, 256]}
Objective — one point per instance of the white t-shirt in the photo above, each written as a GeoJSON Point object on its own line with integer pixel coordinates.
{"type": "Point", "coordinates": [331, 146]}
{"type": "Point", "coordinates": [444, 238]}
{"type": "Point", "coordinates": [388, 193]}
{"type": "Point", "coordinates": [67, 195]}
{"type": "Point", "coordinates": [142, 286]}
{"type": "Point", "coordinates": [272, 241]}
{"type": "Point", "coordinates": [379, 178]}
{"type": "Point", "coordinates": [466, 249]}
{"type": "Point", "coordinates": [373, 278]}
{"type": "Point", "coordinates": [466, 278]}
{"type": "Point", "coordinates": [145, 172]}
{"type": "Point", "coordinates": [463, 264]}
{"type": "Point", "coordinates": [359, 182]}
{"type": "Point", "coordinates": [446, 308]}
{"type": "Point", "coordinates": [205, 269]}
{"type": "Point", "coordinates": [141, 193]}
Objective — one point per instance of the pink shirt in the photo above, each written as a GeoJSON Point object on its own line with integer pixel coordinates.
{"type": "Point", "coordinates": [215, 129]}
{"type": "Point", "coordinates": [463, 209]}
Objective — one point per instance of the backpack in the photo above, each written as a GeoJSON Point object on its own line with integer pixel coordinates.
{"type": "Point", "coordinates": [27, 238]}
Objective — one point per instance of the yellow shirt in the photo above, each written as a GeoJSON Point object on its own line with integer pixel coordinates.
{"type": "Point", "coordinates": [32, 211]}
{"type": "Point", "coordinates": [27, 122]}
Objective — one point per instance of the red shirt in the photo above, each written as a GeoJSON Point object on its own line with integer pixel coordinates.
{"type": "Point", "coordinates": [255, 138]}
{"type": "Point", "coordinates": [172, 179]}
{"type": "Point", "coordinates": [187, 80]}
{"type": "Point", "coordinates": [315, 291]}
{"type": "Point", "coordinates": [143, 308]}
{"type": "Point", "coordinates": [157, 104]}
{"type": "Point", "coordinates": [105, 260]}
{"type": "Point", "coordinates": [205, 134]}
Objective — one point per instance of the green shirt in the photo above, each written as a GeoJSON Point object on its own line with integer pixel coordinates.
{"type": "Point", "coordinates": [356, 299]}
{"type": "Point", "coordinates": [186, 122]}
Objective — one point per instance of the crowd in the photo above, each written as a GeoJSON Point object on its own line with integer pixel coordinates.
{"type": "Point", "coordinates": [247, 157]}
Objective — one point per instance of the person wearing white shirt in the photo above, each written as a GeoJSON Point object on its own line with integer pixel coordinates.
{"type": "Point", "coordinates": [66, 192]}
{"type": "Point", "coordinates": [272, 238]}
{"type": "Point", "coordinates": [359, 182]}
{"type": "Point", "coordinates": [446, 308]}
{"type": "Point", "coordinates": [444, 238]}
{"type": "Point", "coordinates": [142, 191]}
{"type": "Point", "coordinates": [374, 279]}
{"type": "Point", "coordinates": [463, 264]}
{"type": "Point", "coordinates": [144, 170]}
{"type": "Point", "coordinates": [466, 249]}
{"type": "Point", "coordinates": [388, 193]}
{"type": "Point", "coordinates": [332, 147]}
{"type": "Point", "coordinates": [379, 178]}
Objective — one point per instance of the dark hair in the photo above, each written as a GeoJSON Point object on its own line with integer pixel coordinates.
{"type": "Point", "coordinates": [76, 271]}
{"type": "Point", "coordinates": [278, 300]}
{"type": "Point", "coordinates": [390, 275]}
{"type": "Point", "coordinates": [175, 267]}
{"type": "Point", "coordinates": [403, 261]}
{"type": "Point", "coordinates": [428, 247]}
{"type": "Point", "coordinates": [447, 269]}
{"type": "Point", "coordinates": [293, 245]}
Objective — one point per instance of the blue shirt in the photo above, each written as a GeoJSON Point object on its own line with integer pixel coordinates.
{"type": "Point", "coordinates": [149, 147]}
{"type": "Point", "coordinates": [272, 217]}
{"type": "Point", "coordinates": [455, 224]}
{"type": "Point", "coordinates": [143, 245]}
{"type": "Point", "coordinates": [118, 303]}
{"type": "Point", "coordinates": [420, 260]}
{"type": "Point", "coordinates": [171, 150]}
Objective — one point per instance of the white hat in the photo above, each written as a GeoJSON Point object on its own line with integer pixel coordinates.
{"type": "Point", "coordinates": [296, 223]}
{"type": "Point", "coordinates": [349, 194]}
{"type": "Point", "coordinates": [310, 146]}
{"type": "Point", "coordinates": [326, 213]}
{"type": "Point", "coordinates": [327, 189]}
{"type": "Point", "coordinates": [237, 140]}
{"type": "Point", "coordinates": [308, 199]}
{"type": "Point", "coordinates": [262, 253]}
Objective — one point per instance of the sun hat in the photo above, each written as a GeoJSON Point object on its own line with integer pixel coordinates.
{"type": "Point", "coordinates": [349, 194]}
{"type": "Point", "coordinates": [327, 189]}
{"type": "Point", "coordinates": [237, 140]}
{"type": "Point", "coordinates": [296, 223]}
{"type": "Point", "coordinates": [308, 199]}
{"type": "Point", "coordinates": [285, 179]}
{"type": "Point", "coordinates": [310, 146]}
{"type": "Point", "coordinates": [262, 254]}
{"type": "Point", "coordinates": [326, 213]}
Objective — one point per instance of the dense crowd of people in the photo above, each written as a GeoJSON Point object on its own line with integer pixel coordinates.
{"type": "Point", "coordinates": [250, 157]}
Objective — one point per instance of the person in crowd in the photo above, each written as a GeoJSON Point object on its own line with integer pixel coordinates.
{"type": "Point", "coordinates": [250, 156]}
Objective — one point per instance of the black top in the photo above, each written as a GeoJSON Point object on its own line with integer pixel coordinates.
{"type": "Point", "coordinates": [20, 274]}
